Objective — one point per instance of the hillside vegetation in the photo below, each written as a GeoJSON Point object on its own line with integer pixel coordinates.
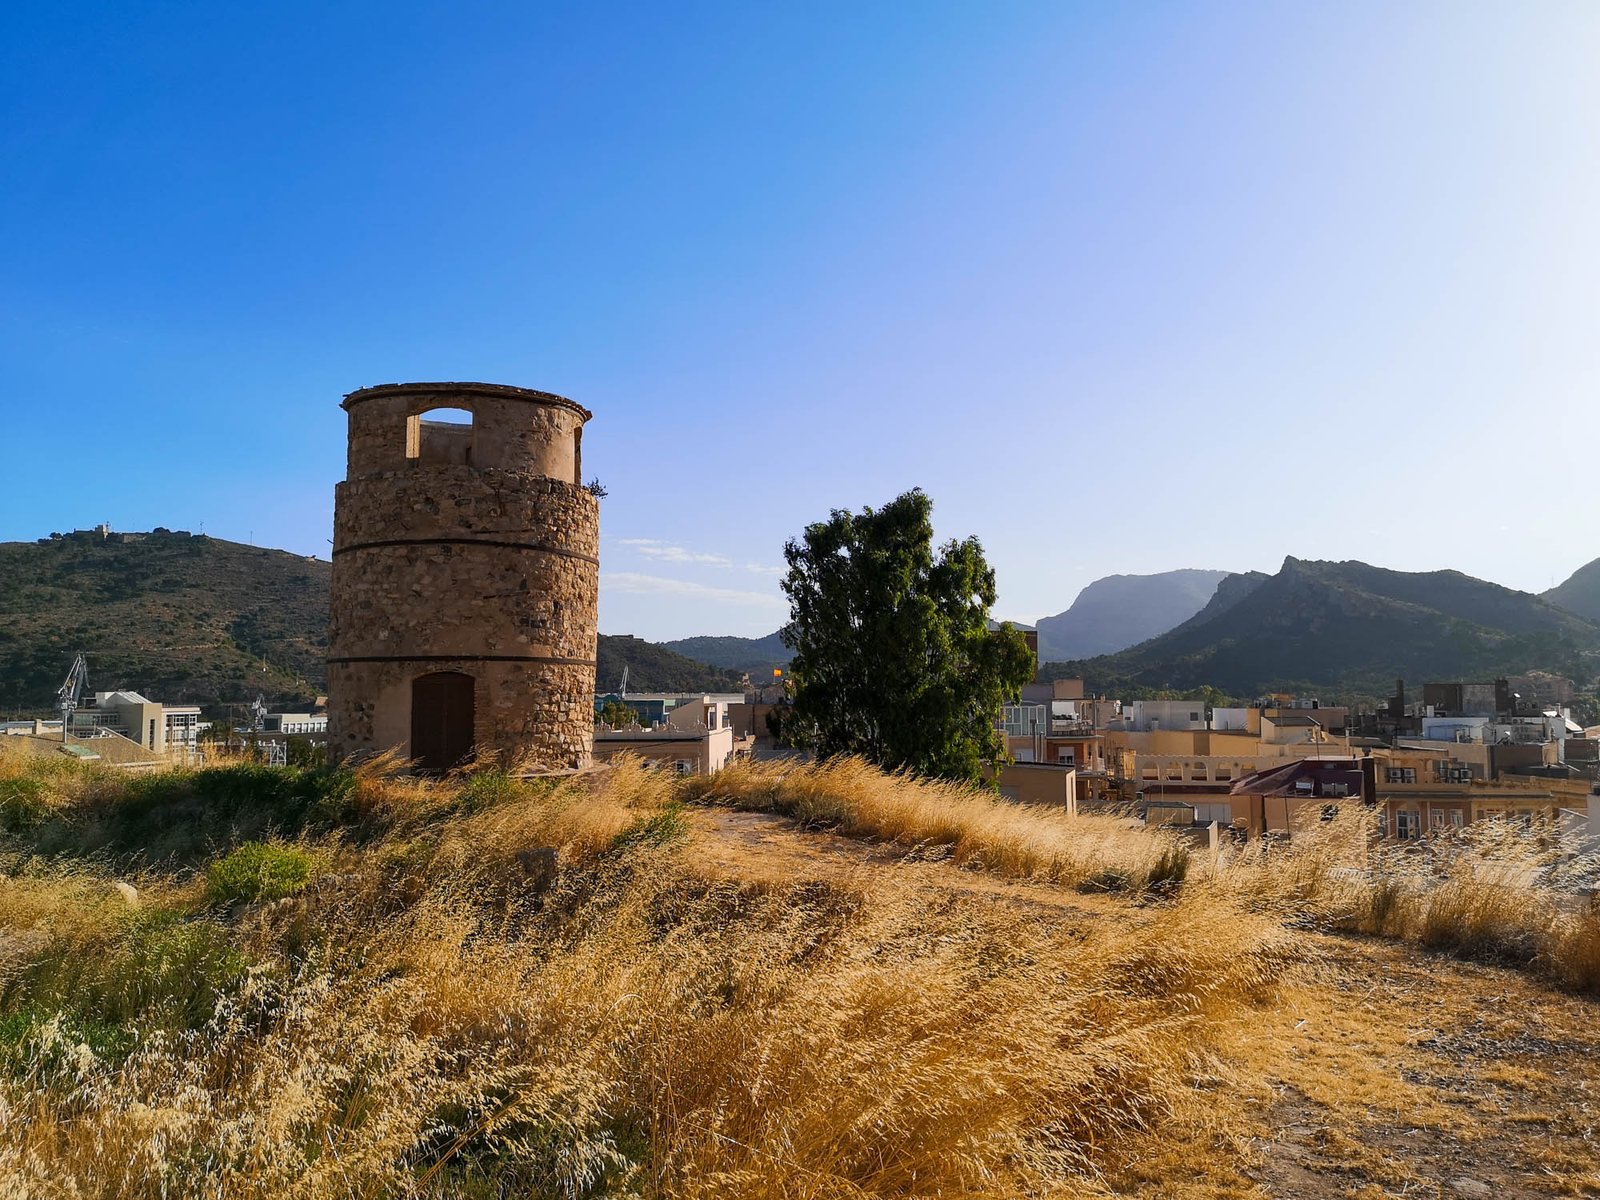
{"type": "Point", "coordinates": [655, 668]}
{"type": "Point", "coordinates": [1353, 628]}
{"type": "Point", "coordinates": [187, 620]}
{"type": "Point", "coordinates": [199, 620]}
{"type": "Point", "coordinates": [1580, 592]}
{"type": "Point", "coordinates": [756, 655]}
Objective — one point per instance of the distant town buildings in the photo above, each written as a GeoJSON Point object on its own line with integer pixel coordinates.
{"type": "Point", "coordinates": [1467, 752]}
{"type": "Point", "coordinates": [161, 728]}
{"type": "Point", "coordinates": [690, 733]}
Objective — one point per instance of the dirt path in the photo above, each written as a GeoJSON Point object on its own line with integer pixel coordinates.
{"type": "Point", "coordinates": [762, 846]}
{"type": "Point", "coordinates": [1395, 1073]}
{"type": "Point", "coordinates": [1411, 1074]}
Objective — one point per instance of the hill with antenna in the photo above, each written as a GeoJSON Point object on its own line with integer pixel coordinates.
{"type": "Point", "coordinates": [190, 619]}
{"type": "Point", "coordinates": [185, 619]}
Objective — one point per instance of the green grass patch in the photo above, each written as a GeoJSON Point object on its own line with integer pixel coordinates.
{"type": "Point", "coordinates": [667, 825]}
{"type": "Point", "coordinates": [258, 871]}
{"type": "Point", "coordinates": [486, 789]}
{"type": "Point", "coordinates": [24, 802]}
{"type": "Point", "coordinates": [152, 971]}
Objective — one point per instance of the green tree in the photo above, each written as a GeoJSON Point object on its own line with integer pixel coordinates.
{"type": "Point", "coordinates": [893, 656]}
{"type": "Point", "coordinates": [617, 715]}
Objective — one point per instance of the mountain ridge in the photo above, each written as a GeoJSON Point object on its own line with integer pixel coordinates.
{"type": "Point", "coordinates": [732, 653]}
{"type": "Point", "coordinates": [1579, 592]}
{"type": "Point", "coordinates": [1118, 611]}
{"type": "Point", "coordinates": [1354, 627]}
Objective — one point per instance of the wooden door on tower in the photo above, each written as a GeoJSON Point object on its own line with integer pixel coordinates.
{"type": "Point", "coordinates": [441, 720]}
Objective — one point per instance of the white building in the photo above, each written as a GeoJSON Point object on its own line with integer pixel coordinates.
{"type": "Point", "coordinates": [1148, 715]}
{"type": "Point", "coordinates": [295, 723]}
{"type": "Point", "coordinates": [155, 726]}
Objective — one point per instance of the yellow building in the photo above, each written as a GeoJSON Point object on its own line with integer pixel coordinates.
{"type": "Point", "coordinates": [1422, 791]}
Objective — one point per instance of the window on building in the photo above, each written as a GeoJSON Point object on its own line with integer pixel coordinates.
{"type": "Point", "coordinates": [1175, 772]}
{"type": "Point", "coordinates": [1225, 772]}
{"type": "Point", "coordinates": [1194, 716]}
{"type": "Point", "coordinates": [1204, 814]}
{"type": "Point", "coordinates": [1198, 772]}
{"type": "Point", "coordinates": [1399, 774]}
{"type": "Point", "coordinates": [1408, 823]}
{"type": "Point", "coordinates": [1023, 720]}
{"type": "Point", "coordinates": [440, 436]}
{"type": "Point", "coordinates": [1446, 818]}
{"type": "Point", "coordinates": [1067, 757]}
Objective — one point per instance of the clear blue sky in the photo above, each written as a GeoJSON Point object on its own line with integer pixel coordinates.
{"type": "Point", "coordinates": [1123, 287]}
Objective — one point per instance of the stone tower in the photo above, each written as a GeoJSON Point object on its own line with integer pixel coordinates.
{"type": "Point", "coordinates": [465, 578]}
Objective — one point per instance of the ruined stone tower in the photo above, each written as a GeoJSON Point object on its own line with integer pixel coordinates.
{"type": "Point", "coordinates": [465, 578]}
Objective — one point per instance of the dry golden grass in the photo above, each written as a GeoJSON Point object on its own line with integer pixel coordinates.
{"type": "Point", "coordinates": [1495, 892]}
{"type": "Point", "coordinates": [425, 1018]}
{"type": "Point", "coordinates": [978, 828]}
{"type": "Point", "coordinates": [419, 1022]}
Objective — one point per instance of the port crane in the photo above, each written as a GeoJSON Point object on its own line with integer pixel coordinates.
{"type": "Point", "coordinates": [71, 693]}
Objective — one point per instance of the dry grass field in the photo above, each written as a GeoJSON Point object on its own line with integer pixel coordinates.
{"type": "Point", "coordinates": [804, 982]}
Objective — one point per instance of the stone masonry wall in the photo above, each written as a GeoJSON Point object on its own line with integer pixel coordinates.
{"type": "Point", "coordinates": [489, 571]}
{"type": "Point", "coordinates": [540, 713]}
{"type": "Point", "coordinates": [452, 501]}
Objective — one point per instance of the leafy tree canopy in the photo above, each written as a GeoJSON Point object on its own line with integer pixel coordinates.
{"type": "Point", "coordinates": [893, 656]}
{"type": "Point", "coordinates": [617, 715]}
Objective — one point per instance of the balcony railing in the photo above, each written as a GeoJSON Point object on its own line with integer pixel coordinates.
{"type": "Point", "coordinates": [1070, 727]}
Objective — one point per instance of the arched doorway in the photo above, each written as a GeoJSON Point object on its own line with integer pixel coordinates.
{"type": "Point", "coordinates": [441, 720]}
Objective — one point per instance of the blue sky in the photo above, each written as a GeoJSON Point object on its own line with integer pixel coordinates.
{"type": "Point", "coordinates": [1123, 287]}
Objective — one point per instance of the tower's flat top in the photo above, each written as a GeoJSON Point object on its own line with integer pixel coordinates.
{"type": "Point", "coordinates": [500, 391]}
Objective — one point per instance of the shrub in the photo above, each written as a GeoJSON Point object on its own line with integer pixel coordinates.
{"type": "Point", "coordinates": [292, 797]}
{"type": "Point", "coordinates": [1572, 950]}
{"type": "Point", "coordinates": [24, 801]}
{"type": "Point", "coordinates": [1171, 868]}
{"type": "Point", "coordinates": [168, 972]}
{"type": "Point", "coordinates": [657, 828]}
{"type": "Point", "coordinates": [1482, 918]}
{"type": "Point", "coordinates": [485, 789]}
{"type": "Point", "coordinates": [258, 871]}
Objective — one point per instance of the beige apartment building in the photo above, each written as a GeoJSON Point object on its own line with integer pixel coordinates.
{"type": "Point", "coordinates": [1423, 790]}
{"type": "Point", "coordinates": [1049, 784]}
{"type": "Point", "coordinates": [683, 751]}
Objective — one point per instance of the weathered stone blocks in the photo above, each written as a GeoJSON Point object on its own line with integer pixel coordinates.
{"type": "Point", "coordinates": [486, 568]}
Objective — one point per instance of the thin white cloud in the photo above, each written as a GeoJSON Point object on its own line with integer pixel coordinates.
{"type": "Point", "coordinates": [656, 585]}
{"type": "Point", "coordinates": [759, 569]}
{"type": "Point", "coordinates": [660, 551]}
{"type": "Point", "coordinates": [677, 554]}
